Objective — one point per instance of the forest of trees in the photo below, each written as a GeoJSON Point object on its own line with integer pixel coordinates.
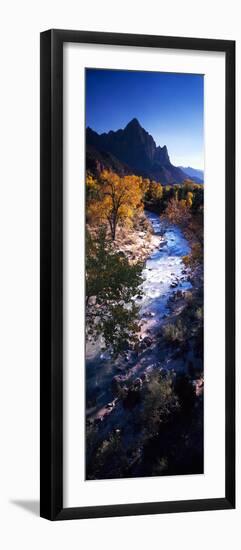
{"type": "Point", "coordinates": [115, 200]}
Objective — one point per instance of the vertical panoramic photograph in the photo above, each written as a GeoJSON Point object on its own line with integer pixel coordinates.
{"type": "Point", "coordinates": [144, 251]}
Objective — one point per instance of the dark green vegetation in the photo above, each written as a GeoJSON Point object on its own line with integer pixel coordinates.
{"type": "Point", "coordinates": [158, 197]}
{"type": "Point", "coordinates": [113, 282]}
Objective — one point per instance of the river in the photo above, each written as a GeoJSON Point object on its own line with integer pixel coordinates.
{"type": "Point", "coordinates": [164, 273]}
{"type": "Point", "coordinates": [164, 270]}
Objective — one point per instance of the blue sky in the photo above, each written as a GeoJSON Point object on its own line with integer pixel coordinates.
{"type": "Point", "coordinates": [168, 105]}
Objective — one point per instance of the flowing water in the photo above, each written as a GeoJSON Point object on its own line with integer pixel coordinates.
{"type": "Point", "coordinates": [163, 270]}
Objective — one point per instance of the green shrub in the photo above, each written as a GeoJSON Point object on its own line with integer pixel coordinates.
{"type": "Point", "coordinates": [160, 401]}
{"type": "Point", "coordinates": [174, 332]}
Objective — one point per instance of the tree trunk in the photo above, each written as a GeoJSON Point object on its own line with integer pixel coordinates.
{"type": "Point", "coordinates": [113, 232]}
{"type": "Point", "coordinates": [113, 224]}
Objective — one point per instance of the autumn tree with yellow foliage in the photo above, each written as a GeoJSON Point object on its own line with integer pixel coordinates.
{"type": "Point", "coordinates": [114, 199]}
{"type": "Point", "coordinates": [179, 211]}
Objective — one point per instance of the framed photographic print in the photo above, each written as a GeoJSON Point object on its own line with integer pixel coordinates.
{"type": "Point", "coordinates": [137, 274]}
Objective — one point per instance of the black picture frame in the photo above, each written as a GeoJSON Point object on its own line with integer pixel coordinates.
{"type": "Point", "coordinates": [51, 324]}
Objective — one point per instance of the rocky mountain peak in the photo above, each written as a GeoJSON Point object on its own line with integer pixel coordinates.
{"type": "Point", "coordinates": [134, 123]}
{"type": "Point", "coordinates": [135, 148]}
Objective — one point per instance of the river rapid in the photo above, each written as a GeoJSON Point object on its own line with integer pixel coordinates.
{"type": "Point", "coordinates": [164, 273]}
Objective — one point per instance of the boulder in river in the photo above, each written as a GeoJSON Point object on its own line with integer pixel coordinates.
{"type": "Point", "coordinates": [149, 314]}
{"type": "Point", "coordinates": [137, 384]}
{"type": "Point", "coordinates": [174, 284]}
{"type": "Point", "coordinates": [146, 342]}
{"type": "Point", "coordinates": [92, 301]}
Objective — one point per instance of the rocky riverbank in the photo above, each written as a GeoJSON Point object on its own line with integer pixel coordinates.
{"type": "Point", "coordinates": [136, 241]}
{"type": "Point", "coordinates": [139, 241]}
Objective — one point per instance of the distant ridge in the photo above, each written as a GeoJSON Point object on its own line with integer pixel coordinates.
{"type": "Point", "coordinates": [131, 150]}
{"type": "Point", "coordinates": [194, 173]}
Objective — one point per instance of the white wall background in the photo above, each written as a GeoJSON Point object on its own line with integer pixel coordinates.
{"type": "Point", "coordinates": [21, 23]}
